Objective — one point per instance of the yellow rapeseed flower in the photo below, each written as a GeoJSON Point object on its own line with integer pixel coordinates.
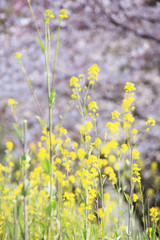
{"type": "Point", "coordinates": [17, 55]}
{"type": "Point", "coordinates": [106, 197]}
{"type": "Point", "coordinates": [127, 102]}
{"type": "Point", "coordinates": [113, 144]}
{"type": "Point", "coordinates": [123, 227]}
{"type": "Point", "coordinates": [81, 153]}
{"type": "Point", "coordinates": [129, 117]}
{"type": "Point", "coordinates": [93, 74]}
{"type": "Point", "coordinates": [105, 151]}
{"type": "Point", "coordinates": [113, 127]}
{"type": "Point", "coordinates": [85, 129]}
{"type": "Point", "coordinates": [135, 197]}
{"type": "Point", "coordinates": [9, 146]}
{"type": "Point", "coordinates": [100, 213]}
{"type": "Point", "coordinates": [112, 158]}
{"type": "Point", "coordinates": [115, 114]}
{"type": "Point", "coordinates": [129, 87]}
{"type": "Point", "coordinates": [74, 81]}
{"type": "Point", "coordinates": [12, 102]}
{"type": "Point", "coordinates": [126, 125]}
{"type": "Point", "coordinates": [63, 14]}
{"type": "Point", "coordinates": [134, 131]}
{"type": "Point", "coordinates": [48, 15]}
{"type": "Point", "coordinates": [135, 154]}
{"type": "Point", "coordinates": [73, 155]}
{"type": "Point", "coordinates": [124, 148]}
{"type": "Point", "coordinates": [97, 142]}
{"type": "Point", "coordinates": [151, 121]}
{"type": "Point", "coordinates": [91, 216]}
{"type": "Point", "coordinates": [149, 231]}
{"type": "Point", "coordinates": [92, 106]}
{"type": "Point", "coordinates": [71, 178]}
{"type": "Point", "coordinates": [136, 174]}
{"type": "Point", "coordinates": [11, 164]}
{"type": "Point", "coordinates": [154, 213]}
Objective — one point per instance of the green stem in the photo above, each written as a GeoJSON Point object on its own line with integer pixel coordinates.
{"type": "Point", "coordinates": [15, 221]}
{"type": "Point", "coordinates": [131, 193]}
{"type": "Point", "coordinates": [46, 61]}
{"type": "Point", "coordinates": [24, 181]}
{"type": "Point", "coordinates": [33, 92]}
{"type": "Point", "coordinates": [34, 19]}
{"type": "Point", "coordinates": [143, 210]}
{"type": "Point", "coordinates": [86, 214]}
{"type": "Point", "coordinates": [47, 55]}
{"type": "Point", "coordinates": [56, 53]}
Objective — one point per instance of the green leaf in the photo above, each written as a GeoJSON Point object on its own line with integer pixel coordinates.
{"type": "Point", "coordinates": [18, 131]}
{"type": "Point", "coordinates": [85, 111]}
{"type": "Point", "coordinates": [43, 228]}
{"type": "Point", "coordinates": [128, 198]}
{"type": "Point", "coordinates": [29, 82]}
{"type": "Point", "coordinates": [132, 171]}
{"type": "Point", "coordinates": [52, 97]}
{"type": "Point", "coordinates": [40, 43]}
{"type": "Point", "coordinates": [84, 233]}
{"type": "Point", "coordinates": [50, 210]}
{"type": "Point", "coordinates": [66, 234]}
{"type": "Point", "coordinates": [19, 209]}
{"type": "Point", "coordinates": [90, 151]}
{"type": "Point", "coordinates": [47, 166]}
{"type": "Point", "coordinates": [42, 122]}
{"type": "Point", "coordinates": [52, 34]}
{"type": "Point", "coordinates": [58, 146]}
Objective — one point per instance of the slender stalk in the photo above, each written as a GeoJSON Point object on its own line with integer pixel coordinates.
{"type": "Point", "coordinates": [56, 53]}
{"type": "Point", "coordinates": [102, 200]}
{"type": "Point", "coordinates": [131, 193]}
{"type": "Point", "coordinates": [86, 214]}
{"type": "Point", "coordinates": [24, 181]}
{"type": "Point", "coordinates": [46, 60]}
{"type": "Point", "coordinates": [47, 54]}
{"type": "Point", "coordinates": [15, 220]}
{"type": "Point", "coordinates": [59, 200]}
{"type": "Point", "coordinates": [34, 19]}
{"type": "Point", "coordinates": [33, 92]}
{"type": "Point", "coordinates": [143, 210]}
{"type": "Point", "coordinates": [50, 106]}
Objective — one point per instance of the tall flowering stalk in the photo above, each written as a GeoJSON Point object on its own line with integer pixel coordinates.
{"type": "Point", "coordinates": [89, 173]}
{"type": "Point", "coordinates": [51, 92]}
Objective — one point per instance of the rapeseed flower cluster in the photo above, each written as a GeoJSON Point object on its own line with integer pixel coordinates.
{"type": "Point", "coordinates": [59, 188]}
{"type": "Point", "coordinates": [81, 170]}
{"type": "Point", "coordinates": [12, 102]}
{"type": "Point", "coordinates": [154, 213]}
{"type": "Point", "coordinates": [48, 15]}
{"type": "Point", "coordinates": [93, 74]}
{"type": "Point", "coordinates": [136, 173]}
{"type": "Point", "coordinates": [63, 14]}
